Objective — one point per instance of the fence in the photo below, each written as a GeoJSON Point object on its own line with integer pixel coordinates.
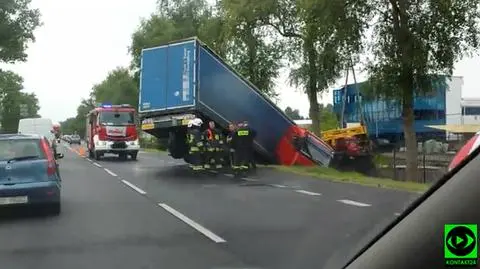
{"type": "Point", "coordinates": [433, 159]}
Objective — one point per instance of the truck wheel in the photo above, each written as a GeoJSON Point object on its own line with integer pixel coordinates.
{"type": "Point", "coordinates": [134, 156]}
{"type": "Point", "coordinates": [122, 156]}
{"type": "Point", "coordinates": [96, 155]}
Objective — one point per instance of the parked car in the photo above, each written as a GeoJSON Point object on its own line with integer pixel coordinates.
{"type": "Point", "coordinates": [75, 139]}
{"type": "Point", "coordinates": [29, 173]}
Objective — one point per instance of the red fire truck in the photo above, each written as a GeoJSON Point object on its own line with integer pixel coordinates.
{"type": "Point", "coordinates": [111, 129]}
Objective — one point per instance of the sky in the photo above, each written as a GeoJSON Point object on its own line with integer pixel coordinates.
{"type": "Point", "coordinates": [81, 41]}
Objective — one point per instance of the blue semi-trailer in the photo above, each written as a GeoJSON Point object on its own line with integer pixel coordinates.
{"type": "Point", "coordinates": [185, 78]}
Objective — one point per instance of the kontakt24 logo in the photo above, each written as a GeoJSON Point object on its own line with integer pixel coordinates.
{"type": "Point", "coordinates": [460, 243]}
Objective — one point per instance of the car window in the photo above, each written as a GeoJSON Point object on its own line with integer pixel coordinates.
{"type": "Point", "coordinates": [17, 148]}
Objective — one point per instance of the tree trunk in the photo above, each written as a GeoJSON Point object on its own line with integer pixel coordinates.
{"type": "Point", "coordinates": [314, 111]}
{"type": "Point", "coordinates": [410, 136]}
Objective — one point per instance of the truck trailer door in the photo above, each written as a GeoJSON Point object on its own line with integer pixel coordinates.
{"type": "Point", "coordinates": [153, 81]}
{"type": "Point", "coordinates": [181, 75]}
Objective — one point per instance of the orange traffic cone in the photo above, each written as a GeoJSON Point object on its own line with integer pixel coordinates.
{"type": "Point", "coordinates": [81, 151]}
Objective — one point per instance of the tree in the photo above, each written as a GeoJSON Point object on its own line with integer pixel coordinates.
{"type": "Point", "coordinates": [118, 87]}
{"type": "Point", "coordinates": [175, 20]}
{"type": "Point", "coordinates": [327, 117]}
{"type": "Point", "coordinates": [17, 23]}
{"type": "Point", "coordinates": [11, 100]}
{"type": "Point", "coordinates": [324, 38]}
{"type": "Point", "coordinates": [414, 42]}
{"type": "Point", "coordinates": [293, 114]}
{"type": "Point", "coordinates": [250, 52]}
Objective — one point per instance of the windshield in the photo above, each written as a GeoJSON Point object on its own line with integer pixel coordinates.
{"type": "Point", "coordinates": [116, 118]}
{"type": "Point", "coordinates": [19, 148]}
{"type": "Point", "coordinates": [316, 150]}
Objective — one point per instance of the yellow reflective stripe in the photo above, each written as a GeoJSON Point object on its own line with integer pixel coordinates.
{"type": "Point", "coordinates": [242, 133]}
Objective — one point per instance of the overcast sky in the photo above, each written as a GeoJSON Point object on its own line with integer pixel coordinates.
{"type": "Point", "coordinates": [81, 41]}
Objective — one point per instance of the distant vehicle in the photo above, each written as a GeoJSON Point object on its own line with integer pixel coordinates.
{"type": "Point", "coordinates": [75, 139]}
{"type": "Point", "coordinates": [112, 129]}
{"type": "Point", "coordinates": [39, 126]}
{"type": "Point", "coordinates": [29, 174]}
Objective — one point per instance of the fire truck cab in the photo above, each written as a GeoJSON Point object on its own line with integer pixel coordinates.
{"type": "Point", "coordinates": [112, 129]}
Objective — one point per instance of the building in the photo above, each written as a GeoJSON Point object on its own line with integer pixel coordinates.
{"type": "Point", "coordinates": [384, 119]}
{"type": "Point", "coordinates": [470, 111]}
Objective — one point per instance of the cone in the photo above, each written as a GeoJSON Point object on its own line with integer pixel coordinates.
{"type": "Point", "coordinates": [81, 151]}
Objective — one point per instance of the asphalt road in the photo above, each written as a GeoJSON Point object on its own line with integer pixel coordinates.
{"type": "Point", "coordinates": [152, 213]}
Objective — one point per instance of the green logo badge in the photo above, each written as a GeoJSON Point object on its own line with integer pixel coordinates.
{"type": "Point", "coordinates": [460, 243]}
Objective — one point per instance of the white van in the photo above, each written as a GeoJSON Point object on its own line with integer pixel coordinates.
{"type": "Point", "coordinates": [37, 126]}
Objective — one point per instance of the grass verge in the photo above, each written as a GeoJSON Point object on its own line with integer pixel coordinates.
{"type": "Point", "coordinates": [355, 178]}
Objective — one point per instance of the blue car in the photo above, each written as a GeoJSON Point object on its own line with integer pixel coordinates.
{"type": "Point", "coordinates": [29, 172]}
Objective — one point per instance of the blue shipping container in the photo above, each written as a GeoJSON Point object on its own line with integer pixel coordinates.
{"type": "Point", "coordinates": [187, 75]}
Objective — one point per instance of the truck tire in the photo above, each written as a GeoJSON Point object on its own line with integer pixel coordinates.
{"type": "Point", "coordinates": [96, 155]}
{"type": "Point", "coordinates": [134, 155]}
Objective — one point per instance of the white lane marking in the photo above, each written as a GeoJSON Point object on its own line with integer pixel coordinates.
{"type": "Point", "coordinates": [354, 203]}
{"type": "Point", "coordinates": [250, 179]}
{"type": "Point", "coordinates": [97, 165]}
{"type": "Point", "coordinates": [228, 175]}
{"type": "Point", "coordinates": [396, 214]}
{"type": "Point", "coordinates": [215, 238]}
{"type": "Point", "coordinates": [137, 189]}
{"type": "Point", "coordinates": [110, 172]}
{"type": "Point", "coordinates": [278, 186]}
{"type": "Point", "coordinates": [308, 192]}
{"type": "Point", "coordinates": [89, 159]}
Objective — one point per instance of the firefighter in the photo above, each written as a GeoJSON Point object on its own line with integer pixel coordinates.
{"type": "Point", "coordinates": [249, 151]}
{"type": "Point", "coordinates": [196, 144]}
{"type": "Point", "coordinates": [240, 141]}
{"type": "Point", "coordinates": [228, 150]}
{"type": "Point", "coordinates": [214, 144]}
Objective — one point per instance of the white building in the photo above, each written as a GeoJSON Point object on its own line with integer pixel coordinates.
{"type": "Point", "coordinates": [470, 111]}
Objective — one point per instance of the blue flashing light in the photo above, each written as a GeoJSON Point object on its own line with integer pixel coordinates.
{"type": "Point", "coordinates": [106, 105]}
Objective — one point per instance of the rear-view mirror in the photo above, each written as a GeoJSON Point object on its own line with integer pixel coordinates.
{"type": "Point", "coordinates": [59, 156]}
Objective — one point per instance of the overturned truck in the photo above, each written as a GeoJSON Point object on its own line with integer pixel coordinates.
{"type": "Point", "coordinates": [184, 79]}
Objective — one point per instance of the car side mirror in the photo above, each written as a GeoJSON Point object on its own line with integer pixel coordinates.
{"type": "Point", "coordinates": [59, 156]}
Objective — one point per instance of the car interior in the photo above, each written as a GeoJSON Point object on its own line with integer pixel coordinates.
{"type": "Point", "coordinates": [416, 239]}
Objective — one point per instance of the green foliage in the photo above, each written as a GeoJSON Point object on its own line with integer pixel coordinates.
{"type": "Point", "coordinates": [11, 99]}
{"type": "Point", "coordinates": [250, 52]}
{"type": "Point", "coordinates": [293, 114]}
{"type": "Point", "coordinates": [118, 87]}
{"type": "Point", "coordinates": [17, 23]}
{"type": "Point", "coordinates": [324, 37]}
{"type": "Point", "coordinates": [328, 118]}
{"type": "Point", "coordinates": [414, 43]}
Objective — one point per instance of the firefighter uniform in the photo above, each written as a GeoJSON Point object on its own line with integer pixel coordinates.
{"type": "Point", "coordinates": [213, 149]}
{"type": "Point", "coordinates": [240, 142]}
{"type": "Point", "coordinates": [249, 146]}
{"type": "Point", "coordinates": [228, 149]}
{"type": "Point", "coordinates": [196, 144]}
